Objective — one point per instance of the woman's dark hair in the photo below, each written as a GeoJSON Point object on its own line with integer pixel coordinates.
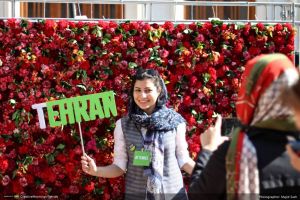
{"type": "Point", "coordinates": [142, 74]}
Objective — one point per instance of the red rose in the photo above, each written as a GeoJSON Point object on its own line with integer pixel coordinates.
{"type": "Point", "coordinates": [213, 75]}
{"type": "Point", "coordinates": [180, 27]}
{"type": "Point", "coordinates": [23, 181]}
{"type": "Point", "coordinates": [163, 53]}
{"type": "Point", "coordinates": [16, 187]}
{"type": "Point", "coordinates": [289, 27]}
{"type": "Point", "coordinates": [85, 65]}
{"type": "Point", "coordinates": [168, 26]}
{"type": "Point", "coordinates": [260, 26]}
{"type": "Point", "coordinates": [191, 120]}
{"type": "Point", "coordinates": [5, 180]}
{"type": "Point", "coordinates": [278, 27]}
{"type": "Point", "coordinates": [238, 48]}
{"type": "Point", "coordinates": [48, 175]}
{"type": "Point", "coordinates": [193, 80]}
{"type": "Point", "coordinates": [207, 25]}
{"type": "Point", "coordinates": [254, 51]}
{"type": "Point", "coordinates": [90, 187]}
{"type": "Point", "coordinates": [3, 164]}
{"type": "Point", "coordinates": [222, 70]}
{"type": "Point", "coordinates": [187, 100]}
{"type": "Point", "coordinates": [70, 167]}
{"type": "Point", "coordinates": [73, 189]}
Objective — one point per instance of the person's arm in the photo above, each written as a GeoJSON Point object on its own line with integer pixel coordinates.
{"type": "Point", "coordinates": [209, 175]}
{"type": "Point", "coordinates": [110, 171]}
{"type": "Point", "coordinates": [208, 180]}
{"type": "Point", "coordinates": [188, 167]}
{"type": "Point", "coordinates": [118, 167]}
{"type": "Point", "coordinates": [295, 159]}
{"type": "Point", "coordinates": [185, 162]}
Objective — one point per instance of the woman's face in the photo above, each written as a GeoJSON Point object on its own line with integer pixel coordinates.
{"type": "Point", "coordinates": [145, 95]}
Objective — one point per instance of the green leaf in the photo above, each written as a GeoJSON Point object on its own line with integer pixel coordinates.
{"type": "Point", "coordinates": [23, 23]}
{"type": "Point", "coordinates": [81, 86]}
{"type": "Point", "coordinates": [206, 77]}
{"type": "Point", "coordinates": [99, 190]}
{"type": "Point", "coordinates": [12, 102]}
{"type": "Point", "coordinates": [97, 31]}
{"type": "Point", "coordinates": [194, 112]}
{"type": "Point", "coordinates": [14, 173]}
{"type": "Point", "coordinates": [132, 32]}
{"type": "Point", "coordinates": [106, 39]}
{"type": "Point", "coordinates": [50, 158]}
{"type": "Point", "coordinates": [132, 65]}
{"type": "Point", "coordinates": [216, 22]}
{"type": "Point", "coordinates": [16, 115]}
{"type": "Point", "coordinates": [60, 146]}
{"type": "Point", "coordinates": [28, 160]}
{"type": "Point", "coordinates": [38, 181]}
{"type": "Point", "coordinates": [66, 85]}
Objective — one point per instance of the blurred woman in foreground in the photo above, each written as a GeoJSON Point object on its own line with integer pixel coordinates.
{"type": "Point", "coordinates": [254, 162]}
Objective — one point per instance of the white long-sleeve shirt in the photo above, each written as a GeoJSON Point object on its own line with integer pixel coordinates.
{"type": "Point", "coordinates": [120, 155]}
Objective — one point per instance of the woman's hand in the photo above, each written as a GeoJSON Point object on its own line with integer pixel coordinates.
{"type": "Point", "coordinates": [88, 165]}
{"type": "Point", "coordinates": [212, 138]}
{"type": "Point", "coordinates": [295, 159]}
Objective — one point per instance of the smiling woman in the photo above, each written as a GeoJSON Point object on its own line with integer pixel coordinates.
{"type": "Point", "coordinates": [150, 144]}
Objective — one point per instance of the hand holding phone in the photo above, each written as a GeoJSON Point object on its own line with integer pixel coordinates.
{"type": "Point", "coordinates": [295, 145]}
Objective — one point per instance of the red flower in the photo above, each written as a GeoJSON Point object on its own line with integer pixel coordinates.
{"type": "Point", "coordinates": [3, 164]}
{"type": "Point", "coordinates": [73, 189]}
{"type": "Point", "coordinates": [23, 181]}
{"type": "Point", "coordinates": [238, 48]}
{"type": "Point", "coordinates": [70, 167]}
{"type": "Point", "coordinates": [16, 187]}
{"type": "Point", "coordinates": [61, 158]}
{"type": "Point", "coordinates": [260, 26]}
{"type": "Point", "coordinates": [213, 75]}
{"type": "Point", "coordinates": [191, 120]}
{"type": "Point", "coordinates": [5, 180]}
{"type": "Point", "coordinates": [48, 175]}
{"type": "Point", "coordinates": [187, 100]}
{"type": "Point", "coordinates": [169, 26]}
{"type": "Point", "coordinates": [278, 27]}
{"type": "Point", "coordinates": [90, 187]}
{"type": "Point", "coordinates": [44, 60]}
{"type": "Point", "coordinates": [254, 51]}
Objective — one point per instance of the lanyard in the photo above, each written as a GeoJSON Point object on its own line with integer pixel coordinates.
{"type": "Point", "coordinates": [139, 130]}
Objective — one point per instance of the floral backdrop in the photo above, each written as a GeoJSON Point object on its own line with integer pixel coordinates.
{"type": "Point", "coordinates": [45, 60]}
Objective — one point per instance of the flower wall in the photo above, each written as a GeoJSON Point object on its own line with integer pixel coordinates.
{"type": "Point", "coordinates": [201, 64]}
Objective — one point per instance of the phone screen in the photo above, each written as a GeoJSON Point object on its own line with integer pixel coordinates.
{"type": "Point", "coordinates": [228, 125]}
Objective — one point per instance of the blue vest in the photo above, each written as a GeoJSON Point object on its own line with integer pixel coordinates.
{"type": "Point", "coordinates": [135, 181]}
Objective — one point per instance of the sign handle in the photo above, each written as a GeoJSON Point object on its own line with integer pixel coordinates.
{"type": "Point", "coordinates": [81, 139]}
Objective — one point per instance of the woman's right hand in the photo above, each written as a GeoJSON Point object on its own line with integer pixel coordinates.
{"type": "Point", "coordinates": [295, 159]}
{"type": "Point", "coordinates": [88, 165]}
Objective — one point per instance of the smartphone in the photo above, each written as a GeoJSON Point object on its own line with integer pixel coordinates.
{"type": "Point", "coordinates": [295, 145]}
{"type": "Point", "coordinates": [228, 125]}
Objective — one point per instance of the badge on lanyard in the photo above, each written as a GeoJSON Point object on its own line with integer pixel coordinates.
{"type": "Point", "coordinates": [141, 158]}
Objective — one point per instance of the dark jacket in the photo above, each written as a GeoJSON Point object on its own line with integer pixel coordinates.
{"type": "Point", "coordinates": [276, 175]}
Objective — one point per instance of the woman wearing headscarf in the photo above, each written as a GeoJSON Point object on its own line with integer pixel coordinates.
{"type": "Point", "coordinates": [150, 146]}
{"type": "Point", "coordinates": [293, 94]}
{"type": "Point", "coordinates": [254, 163]}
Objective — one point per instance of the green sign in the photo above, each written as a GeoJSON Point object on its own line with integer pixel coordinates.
{"type": "Point", "coordinates": [77, 109]}
{"type": "Point", "coordinates": [141, 158]}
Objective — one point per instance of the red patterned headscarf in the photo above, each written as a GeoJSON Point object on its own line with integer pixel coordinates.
{"type": "Point", "coordinates": [259, 104]}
